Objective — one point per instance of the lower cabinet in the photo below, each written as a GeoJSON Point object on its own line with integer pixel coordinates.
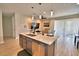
{"type": "Point", "coordinates": [38, 49]}
{"type": "Point", "coordinates": [24, 44]}
{"type": "Point", "coordinates": [29, 45]}
{"type": "Point", "coordinates": [33, 47]}
{"type": "Point", "coordinates": [22, 41]}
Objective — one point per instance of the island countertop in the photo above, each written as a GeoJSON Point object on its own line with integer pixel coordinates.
{"type": "Point", "coordinates": [42, 38]}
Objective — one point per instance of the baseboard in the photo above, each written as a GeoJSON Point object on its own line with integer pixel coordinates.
{"type": "Point", "coordinates": [1, 42]}
{"type": "Point", "coordinates": [17, 37]}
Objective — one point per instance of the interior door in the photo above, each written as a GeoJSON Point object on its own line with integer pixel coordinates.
{"type": "Point", "coordinates": [7, 26]}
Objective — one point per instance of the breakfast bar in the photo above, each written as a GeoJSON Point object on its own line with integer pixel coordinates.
{"type": "Point", "coordinates": [38, 45]}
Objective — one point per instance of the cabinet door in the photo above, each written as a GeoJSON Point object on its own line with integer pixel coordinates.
{"type": "Point", "coordinates": [22, 41]}
{"type": "Point", "coordinates": [29, 45]}
{"type": "Point", "coordinates": [37, 49]}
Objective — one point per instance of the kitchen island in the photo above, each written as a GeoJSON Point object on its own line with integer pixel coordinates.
{"type": "Point", "coordinates": [38, 45]}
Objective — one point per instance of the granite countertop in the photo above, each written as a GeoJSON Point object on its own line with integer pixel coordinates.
{"type": "Point", "coordinates": [42, 38]}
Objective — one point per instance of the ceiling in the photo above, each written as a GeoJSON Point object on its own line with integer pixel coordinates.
{"type": "Point", "coordinates": [26, 8]}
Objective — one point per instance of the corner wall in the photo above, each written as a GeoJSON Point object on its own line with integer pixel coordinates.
{"type": "Point", "coordinates": [19, 24]}
{"type": "Point", "coordinates": [1, 28]}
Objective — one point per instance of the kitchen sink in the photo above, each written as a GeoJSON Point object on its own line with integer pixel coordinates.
{"type": "Point", "coordinates": [31, 34]}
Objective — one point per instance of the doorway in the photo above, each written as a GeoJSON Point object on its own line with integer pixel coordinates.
{"type": "Point", "coordinates": [8, 26]}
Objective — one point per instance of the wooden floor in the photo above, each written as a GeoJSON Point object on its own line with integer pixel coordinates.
{"type": "Point", "coordinates": [64, 47]}
{"type": "Point", "coordinates": [10, 47]}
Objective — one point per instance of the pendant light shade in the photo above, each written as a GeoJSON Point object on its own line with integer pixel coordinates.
{"type": "Point", "coordinates": [51, 13]}
{"type": "Point", "coordinates": [32, 17]}
{"type": "Point", "coordinates": [40, 16]}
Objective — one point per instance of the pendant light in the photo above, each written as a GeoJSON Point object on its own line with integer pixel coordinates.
{"type": "Point", "coordinates": [32, 18]}
{"type": "Point", "coordinates": [40, 16]}
{"type": "Point", "coordinates": [51, 13]}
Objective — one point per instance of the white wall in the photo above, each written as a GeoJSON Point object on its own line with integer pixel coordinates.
{"type": "Point", "coordinates": [19, 24]}
{"type": "Point", "coordinates": [52, 25]}
{"type": "Point", "coordinates": [1, 29]}
{"type": "Point", "coordinates": [13, 25]}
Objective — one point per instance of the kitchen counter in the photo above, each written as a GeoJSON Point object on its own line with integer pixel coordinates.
{"type": "Point", "coordinates": [42, 38]}
{"type": "Point", "coordinates": [38, 45]}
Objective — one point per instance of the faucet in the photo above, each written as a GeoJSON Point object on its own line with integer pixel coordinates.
{"type": "Point", "coordinates": [33, 30]}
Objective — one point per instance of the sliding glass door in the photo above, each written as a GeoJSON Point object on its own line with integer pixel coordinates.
{"type": "Point", "coordinates": [66, 28]}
